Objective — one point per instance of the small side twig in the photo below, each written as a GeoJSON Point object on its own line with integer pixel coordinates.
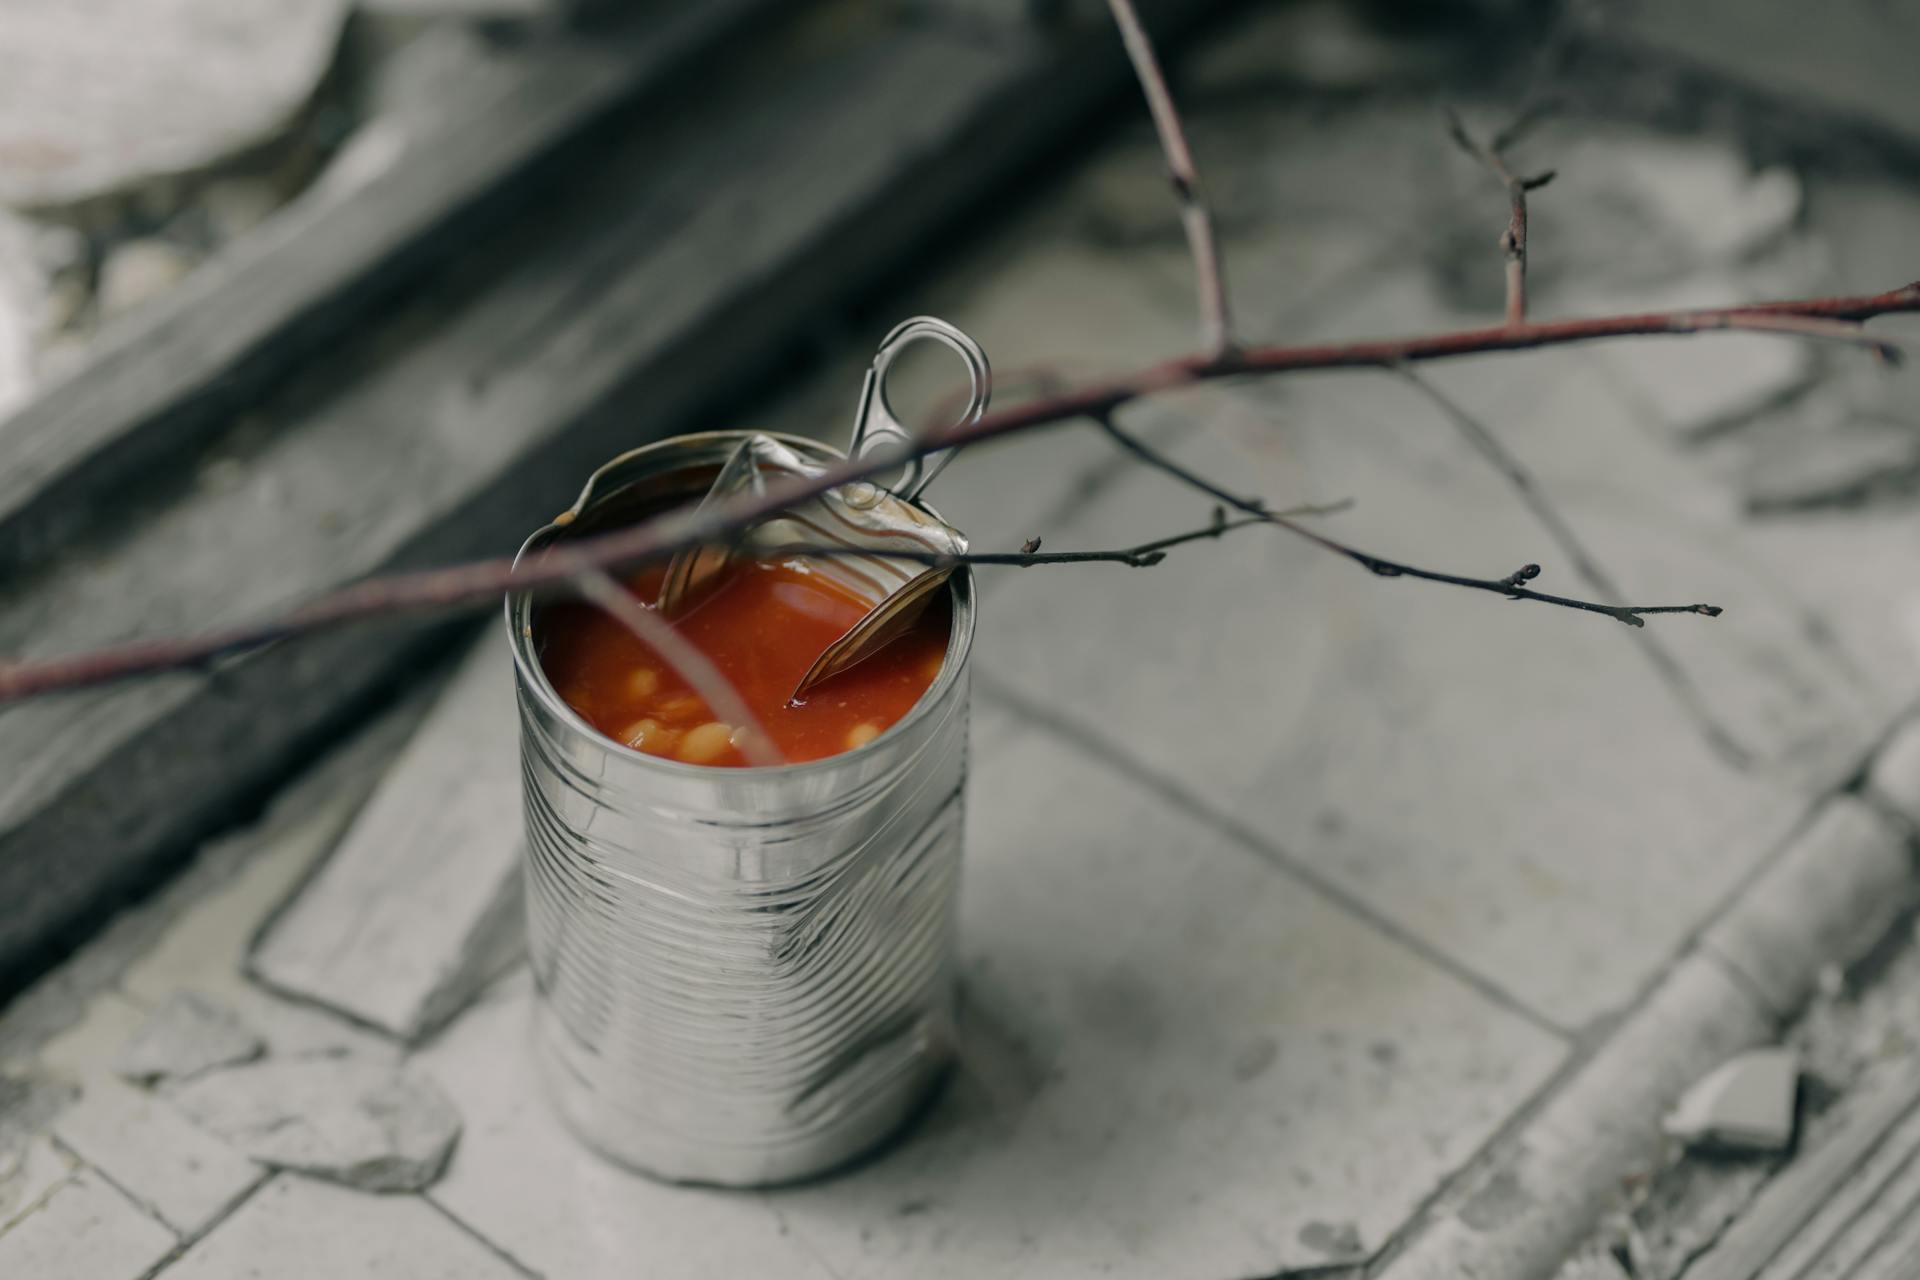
{"type": "Point", "coordinates": [479, 583]}
{"type": "Point", "coordinates": [1144, 556]}
{"type": "Point", "coordinates": [1513, 240]}
{"type": "Point", "coordinates": [1512, 586]}
{"type": "Point", "coordinates": [705, 679]}
{"type": "Point", "coordinates": [1846, 332]}
{"type": "Point", "coordinates": [1585, 565]}
{"type": "Point", "coordinates": [1216, 326]}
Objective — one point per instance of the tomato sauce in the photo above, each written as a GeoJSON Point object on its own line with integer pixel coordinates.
{"type": "Point", "coordinates": [761, 624]}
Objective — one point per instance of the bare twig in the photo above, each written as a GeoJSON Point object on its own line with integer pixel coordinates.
{"type": "Point", "coordinates": [1144, 556]}
{"type": "Point", "coordinates": [1503, 460]}
{"type": "Point", "coordinates": [687, 661]}
{"type": "Point", "coordinates": [1216, 326]}
{"type": "Point", "coordinates": [1513, 240]}
{"type": "Point", "coordinates": [478, 582]}
{"type": "Point", "coordinates": [1512, 586]}
{"type": "Point", "coordinates": [1847, 332]}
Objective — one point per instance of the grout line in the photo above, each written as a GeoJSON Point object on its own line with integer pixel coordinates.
{"type": "Point", "coordinates": [1738, 976]}
{"type": "Point", "coordinates": [213, 1224]}
{"type": "Point", "coordinates": [1091, 744]}
{"type": "Point", "coordinates": [461, 1225]}
{"type": "Point", "coordinates": [26, 1211]}
{"type": "Point", "coordinates": [82, 1164]}
{"type": "Point", "coordinates": [1664, 1027]}
{"type": "Point", "coordinates": [1567, 1145]}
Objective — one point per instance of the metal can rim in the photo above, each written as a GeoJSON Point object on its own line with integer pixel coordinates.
{"type": "Point", "coordinates": [533, 677]}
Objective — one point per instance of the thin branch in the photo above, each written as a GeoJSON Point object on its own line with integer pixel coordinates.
{"type": "Point", "coordinates": [1512, 586]}
{"type": "Point", "coordinates": [1513, 240]}
{"type": "Point", "coordinates": [1846, 332]}
{"type": "Point", "coordinates": [691, 665]}
{"type": "Point", "coordinates": [1144, 556]}
{"type": "Point", "coordinates": [1530, 117]}
{"type": "Point", "coordinates": [1503, 460]}
{"type": "Point", "coordinates": [482, 582]}
{"type": "Point", "coordinates": [1216, 326]}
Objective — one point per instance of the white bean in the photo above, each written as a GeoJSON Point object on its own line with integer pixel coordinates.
{"type": "Point", "coordinates": [707, 743]}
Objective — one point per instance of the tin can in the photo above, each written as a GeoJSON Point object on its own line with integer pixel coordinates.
{"type": "Point", "coordinates": [743, 976]}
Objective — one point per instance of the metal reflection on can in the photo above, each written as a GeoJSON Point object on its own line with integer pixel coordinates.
{"type": "Point", "coordinates": [743, 976]}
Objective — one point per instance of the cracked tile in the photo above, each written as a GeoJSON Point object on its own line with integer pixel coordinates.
{"type": "Point", "coordinates": [1176, 1061]}
{"type": "Point", "coordinates": [296, 1229]}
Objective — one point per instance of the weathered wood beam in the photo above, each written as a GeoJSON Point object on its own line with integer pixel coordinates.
{"type": "Point", "coordinates": [420, 904]}
{"type": "Point", "coordinates": [646, 289]}
{"type": "Point", "coordinates": [175, 375]}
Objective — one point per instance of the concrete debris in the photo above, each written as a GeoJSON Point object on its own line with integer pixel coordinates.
{"type": "Point", "coordinates": [179, 87]}
{"type": "Point", "coordinates": [1635, 222]}
{"type": "Point", "coordinates": [1687, 1208]}
{"type": "Point", "coordinates": [23, 286]}
{"type": "Point", "coordinates": [1319, 44]}
{"type": "Point", "coordinates": [234, 206]}
{"type": "Point", "coordinates": [139, 271]}
{"type": "Point", "coordinates": [1833, 469]}
{"type": "Point", "coordinates": [1703, 384]}
{"type": "Point", "coordinates": [366, 1124]}
{"type": "Point", "coordinates": [1848, 67]}
{"type": "Point", "coordinates": [416, 78]}
{"type": "Point", "coordinates": [28, 1171]}
{"type": "Point", "coordinates": [185, 1036]}
{"type": "Point", "coordinates": [1703, 191]}
{"type": "Point", "coordinates": [28, 1166]}
{"type": "Point", "coordinates": [421, 903]}
{"type": "Point", "coordinates": [1593, 1265]}
{"type": "Point", "coordinates": [1895, 776]}
{"type": "Point", "coordinates": [1747, 1104]}
{"type": "Point", "coordinates": [471, 10]}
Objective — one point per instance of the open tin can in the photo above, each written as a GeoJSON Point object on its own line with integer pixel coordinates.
{"type": "Point", "coordinates": [743, 976]}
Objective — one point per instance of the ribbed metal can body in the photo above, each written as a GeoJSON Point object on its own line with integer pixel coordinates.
{"type": "Point", "coordinates": [743, 976]}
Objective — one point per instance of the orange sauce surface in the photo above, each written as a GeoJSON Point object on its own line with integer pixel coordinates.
{"type": "Point", "coordinates": [762, 625]}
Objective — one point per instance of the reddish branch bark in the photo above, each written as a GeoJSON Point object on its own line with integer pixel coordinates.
{"type": "Point", "coordinates": [1216, 325]}
{"type": "Point", "coordinates": [482, 582]}
{"type": "Point", "coordinates": [1513, 240]}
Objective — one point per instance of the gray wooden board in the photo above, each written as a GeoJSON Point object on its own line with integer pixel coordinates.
{"type": "Point", "coordinates": [96, 95]}
{"type": "Point", "coordinates": [419, 905]}
{"type": "Point", "coordinates": [158, 387]}
{"type": "Point", "coordinates": [1796, 1196]}
{"type": "Point", "coordinates": [677, 270]}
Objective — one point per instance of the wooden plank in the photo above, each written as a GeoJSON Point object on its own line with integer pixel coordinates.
{"type": "Point", "coordinates": [1868, 1140]}
{"type": "Point", "coordinates": [1898, 1258]}
{"type": "Point", "coordinates": [420, 904]}
{"type": "Point", "coordinates": [160, 386]}
{"type": "Point", "coordinates": [652, 287]}
{"type": "Point", "coordinates": [1856, 1211]}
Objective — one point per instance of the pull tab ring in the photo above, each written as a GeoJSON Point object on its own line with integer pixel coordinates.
{"type": "Point", "coordinates": [876, 427]}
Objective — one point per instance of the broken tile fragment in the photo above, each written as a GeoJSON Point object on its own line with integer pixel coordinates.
{"type": "Point", "coordinates": [1697, 385]}
{"type": "Point", "coordinates": [419, 906]}
{"type": "Point", "coordinates": [1591, 1265]}
{"type": "Point", "coordinates": [84, 1228]}
{"type": "Point", "coordinates": [1833, 469]}
{"type": "Point", "coordinates": [1703, 192]}
{"type": "Point", "coordinates": [175, 89]}
{"type": "Point", "coordinates": [185, 1036]}
{"type": "Point", "coordinates": [29, 1172]}
{"type": "Point", "coordinates": [299, 1229]}
{"type": "Point", "coordinates": [177, 1172]}
{"type": "Point", "coordinates": [366, 1124]}
{"type": "Point", "coordinates": [1745, 1104]}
